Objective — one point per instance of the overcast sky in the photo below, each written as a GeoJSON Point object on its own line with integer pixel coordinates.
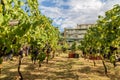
{"type": "Point", "coordinates": [69, 13]}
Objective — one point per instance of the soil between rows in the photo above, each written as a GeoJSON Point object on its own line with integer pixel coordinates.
{"type": "Point", "coordinates": [60, 68]}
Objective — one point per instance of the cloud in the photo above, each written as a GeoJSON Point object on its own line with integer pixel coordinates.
{"type": "Point", "coordinates": [51, 12]}
{"type": "Point", "coordinates": [69, 13]}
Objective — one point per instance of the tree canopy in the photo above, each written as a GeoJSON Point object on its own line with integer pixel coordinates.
{"type": "Point", "coordinates": [22, 23]}
{"type": "Point", "coordinates": [104, 34]}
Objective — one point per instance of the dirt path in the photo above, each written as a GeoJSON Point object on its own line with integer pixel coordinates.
{"type": "Point", "coordinates": [59, 68]}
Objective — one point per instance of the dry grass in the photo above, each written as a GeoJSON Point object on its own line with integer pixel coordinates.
{"type": "Point", "coordinates": [60, 68]}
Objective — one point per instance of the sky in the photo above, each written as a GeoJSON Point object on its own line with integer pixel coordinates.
{"type": "Point", "coordinates": [69, 13]}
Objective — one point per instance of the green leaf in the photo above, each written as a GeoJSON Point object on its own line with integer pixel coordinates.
{"type": "Point", "coordinates": [1, 18]}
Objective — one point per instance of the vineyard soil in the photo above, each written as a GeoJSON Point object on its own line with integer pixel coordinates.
{"type": "Point", "coordinates": [60, 68]}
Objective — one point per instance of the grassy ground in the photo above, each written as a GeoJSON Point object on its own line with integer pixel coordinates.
{"type": "Point", "coordinates": [60, 68]}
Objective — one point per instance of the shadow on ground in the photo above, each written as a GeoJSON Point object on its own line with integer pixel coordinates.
{"type": "Point", "coordinates": [59, 68]}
